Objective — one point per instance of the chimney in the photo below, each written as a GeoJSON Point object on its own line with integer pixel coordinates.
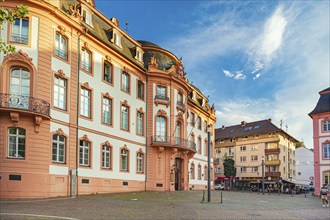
{"type": "Point", "coordinates": [243, 123]}
{"type": "Point", "coordinates": [223, 127]}
{"type": "Point", "coordinates": [269, 119]}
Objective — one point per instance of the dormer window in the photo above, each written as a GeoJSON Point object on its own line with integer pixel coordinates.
{"type": "Point", "coordinates": [86, 17]}
{"type": "Point", "coordinates": [139, 54]}
{"type": "Point", "coordinates": [116, 38]}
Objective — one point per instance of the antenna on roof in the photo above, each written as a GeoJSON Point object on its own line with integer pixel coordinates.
{"type": "Point", "coordinates": [126, 29]}
{"type": "Point", "coordinates": [286, 128]}
{"type": "Point", "coordinates": [281, 122]}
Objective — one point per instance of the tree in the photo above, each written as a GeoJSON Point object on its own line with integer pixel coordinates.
{"type": "Point", "coordinates": [9, 15]}
{"type": "Point", "coordinates": [300, 144]}
{"type": "Point", "coordinates": [229, 167]}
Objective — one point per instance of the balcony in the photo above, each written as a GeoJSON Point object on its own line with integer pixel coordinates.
{"type": "Point", "coordinates": [173, 142]}
{"type": "Point", "coordinates": [181, 106]}
{"type": "Point", "coordinates": [273, 174]}
{"type": "Point", "coordinates": [161, 99]}
{"type": "Point", "coordinates": [272, 151]}
{"type": "Point", "coordinates": [24, 103]}
{"type": "Point", "coordinates": [272, 162]}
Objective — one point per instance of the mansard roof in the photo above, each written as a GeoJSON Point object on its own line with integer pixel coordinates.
{"type": "Point", "coordinates": [323, 105]}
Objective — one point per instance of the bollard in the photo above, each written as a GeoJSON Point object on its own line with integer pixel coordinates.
{"type": "Point", "coordinates": [203, 199]}
{"type": "Point", "coordinates": [221, 197]}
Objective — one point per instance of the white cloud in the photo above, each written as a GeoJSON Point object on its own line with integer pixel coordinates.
{"type": "Point", "coordinates": [237, 75]}
{"type": "Point", "coordinates": [264, 48]}
{"type": "Point", "coordinates": [228, 73]}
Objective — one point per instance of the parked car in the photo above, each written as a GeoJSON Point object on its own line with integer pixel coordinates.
{"type": "Point", "coordinates": [219, 186]}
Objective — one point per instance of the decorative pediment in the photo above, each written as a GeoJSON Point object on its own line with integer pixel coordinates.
{"type": "Point", "coordinates": [86, 45]}
{"type": "Point", "coordinates": [75, 12]}
{"type": "Point", "coordinates": [125, 103]}
{"type": "Point", "coordinates": [179, 117]}
{"type": "Point", "coordinates": [19, 56]}
{"type": "Point", "coordinates": [108, 58]}
{"type": "Point", "coordinates": [85, 138]}
{"type": "Point", "coordinates": [60, 132]}
{"type": "Point", "coordinates": [161, 112]}
{"type": "Point", "coordinates": [107, 143]}
{"type": "Point", "coordinates": [126, 70]}
{"type": "Point", "coordinates": [86, 85]}
{"type": "Point", "coordinates": [62, 29]}
{"type": "Point", "coordinates": [107, 95]}
{"type": "Point", "coordinates": [60, 73]}
{"type": "Point", "coordinates": [140, 151]}
{"type": "Point", "coordinates": [140, 110]}
{"type": "Point", "coordinates": [124, 147]}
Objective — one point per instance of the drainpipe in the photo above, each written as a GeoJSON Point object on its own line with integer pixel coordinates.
{"type": "Point", "coordinates": [77, 119]}
{"type": "Point", "coordinates": [146, 119]}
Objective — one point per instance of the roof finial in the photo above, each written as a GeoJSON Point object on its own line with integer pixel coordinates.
{"type": "Point", "coordinates": [126, 29]}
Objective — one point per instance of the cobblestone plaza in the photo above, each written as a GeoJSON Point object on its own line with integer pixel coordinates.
{"type": "Point", "coordinates": [169, 205]}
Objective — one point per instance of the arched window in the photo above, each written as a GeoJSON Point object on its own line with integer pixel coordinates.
{"type": "Point", "coordinates": [161, 128]}
{"type": "Point", "coordinates": [124, 153]}
{"type": "Point", "coordinates": [58, 149]}
{"type": "Point", "coordinates": [84, 153]}
{"type": "Point", "coordinates": [139, 162]}
{"type": "Point", "coordinates": [106, 156]}
{"type": "Point", "coordinates": [20, 87]}
{"type": "Point", "coordinates": [178, 133]}
{"type": "Point", "coordinates": [16, 142]}
{"type": "Point", "coordinates": [199, 172]}
{"type": "Point", "coordinates": [192, 171]}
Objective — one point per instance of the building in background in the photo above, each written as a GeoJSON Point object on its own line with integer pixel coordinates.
{"type": "Point", "coordinates": [304, 166]}
{"type": "Point", "coordinates": [251, 142]}
{"type": "Point", "coordinates": [321, 137]}
{"type": "Point", "coordinates": [85, 108]}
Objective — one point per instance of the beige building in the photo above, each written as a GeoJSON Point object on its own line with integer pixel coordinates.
{"type": "Point", "coordinates": [250, 143]}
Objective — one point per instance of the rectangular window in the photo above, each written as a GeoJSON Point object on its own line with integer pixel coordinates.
{"type": "Point", "coordinates": [61, 46]}
{"type": "Point", "coordinates": [124, 160]}
{"type": "Point", "coordinates": [243, 158]}
{"type": "Point", "coordinates": [192, 119]}
{"type": "Point", "coordinates": [199, 145]}
{"type": "Point", "coordinates": [16, 143]}
{"type": "Point", "coordinates": [254, 158]}
{"type": "Point", "coordinates": [106, 157]}
{"type": "Point", "coordinates": [139, 123]}
{"type": "Point", "coordinates": [84, 153]}
{"type": "Point", "coordinates": [124, 117]}
{"type": "Point", "coordinates": [139, 163]}
{"type": "Point", "coordinates": [243, 148]}
{"type": "Point", "coordinates": [86, 17]}
{"type": "Point", "coordinates": [161, 92]}
{"type": "Point", "coordinates": [140, 89]}
{"type": "Point", "coordinates": [59, 93]}
{"type": "Point", "coordinates": [85, 102]}
{"type": "Point", "coordinates": [58, 153]}
{"type": "Point", "coordinates": [117, 39]}
{"type": "Point", "coordinates": [254, 148]}
{"type": "Point", "coordinates": [106, 111]}
{"type": "Point", "coordinates": [86, 60]}
{"type": "Point", "coordinates": [125, 81]}
{"type": "Point", "coordinates": [199, 123]}
{"type": "Point", "coordinates": [326, 125]}
{"type": "Point", "coordinates": [243, 169]}
{"type": "Point", "coordinates": [326, 151]}
{"type": "Point", "coordinates": [107, 69]}
{"type": "Point", "coordinates": [20, 31]}
{"type": "Point", "coordinates": [254, 169]}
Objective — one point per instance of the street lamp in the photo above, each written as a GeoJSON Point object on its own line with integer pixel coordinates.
{"type": "Point", "coordinates": [263, 174]}
{"type": "Point", "coordinates": [209, 163]}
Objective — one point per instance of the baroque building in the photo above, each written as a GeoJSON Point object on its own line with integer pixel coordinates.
{"type": "Point", "coordinates": [321, 140]}
{"type": "Point", "coordinates": [251, 143]}
{"type": "Point", "coordinates": [85, 108]}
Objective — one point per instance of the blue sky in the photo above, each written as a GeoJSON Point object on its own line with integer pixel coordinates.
{"type": "Point", "coordinates": [254, 59]}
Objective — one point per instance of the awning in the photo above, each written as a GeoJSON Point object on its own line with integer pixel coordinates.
{"type": "Point", "coordinates": [288, 181]}
{"type": "Point", "coordinates": [267, 182]}
{"type": "Point", "coordinates": [222, 178]}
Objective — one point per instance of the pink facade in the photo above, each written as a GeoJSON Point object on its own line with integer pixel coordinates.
{"type": "Point", "coordinates": [321, 140]}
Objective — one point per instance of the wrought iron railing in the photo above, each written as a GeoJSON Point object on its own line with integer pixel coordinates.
{"type": "Point", "coordinates": [20, 38]}
{"type": "Point", "coordinates": [162, 98]}
{"type": "Point", "coordinates": [86, 66]}
{"type": "Point", "coordinates": [181, 105]}
{"type": "Point", "coordinates": [25, 103]}
{"type": "Point", "coordinates": [173, 141]}
{"type": "Point", "coordinates": [61, 53]}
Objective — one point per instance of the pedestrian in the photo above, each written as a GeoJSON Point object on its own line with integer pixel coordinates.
{"type": "Point", "coordinates": [324, 195]}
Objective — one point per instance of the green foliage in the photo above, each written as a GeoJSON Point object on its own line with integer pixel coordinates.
{"type": "Point", "coordinates": [229, 167]}
{"type": "Point", "coordinates": [300, 144]}
{"type": "Point", "coordinates": [9, 16]}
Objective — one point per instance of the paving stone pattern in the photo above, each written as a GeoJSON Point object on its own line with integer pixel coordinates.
{"type": "Point", "coordinates": [168, 205]}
